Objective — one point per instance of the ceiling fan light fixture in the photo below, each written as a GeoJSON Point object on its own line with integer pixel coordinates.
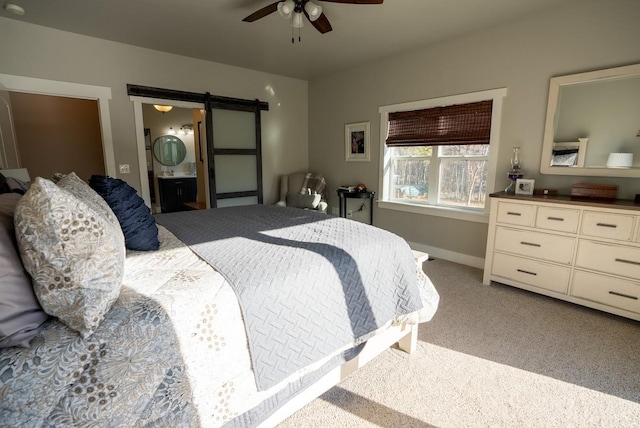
{"type": "Point", "coordinates": [313, 10]}
{"type": "Point", "coordinates": [286, 8]}
{"type": "Point", "coordinates": [14, 8]}
{"type": "Point", "coordinates": [297, 21]}
{"type": "Point", "coordinates": [281, 11]}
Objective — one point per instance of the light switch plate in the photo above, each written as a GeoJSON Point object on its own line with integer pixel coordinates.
{"type": "Point", "coordinates": [124, 168]}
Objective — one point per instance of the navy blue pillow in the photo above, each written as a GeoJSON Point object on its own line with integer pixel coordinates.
{"type": "Point", "coordinates": [138, 225]}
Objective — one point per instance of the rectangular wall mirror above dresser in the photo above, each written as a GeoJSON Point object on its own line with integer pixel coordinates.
{"type": "Point", "coordinates": [601, 107]}
{"type": "Point", "coordinates": [582, 251]}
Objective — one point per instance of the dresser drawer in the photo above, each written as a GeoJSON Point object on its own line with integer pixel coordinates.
{"type": "Point", "coordinates": [517, 214]}
{"type": "Point", "coordinates": [538, 245]}
{"type": "Point", "coordinates": [607, 225]}
{"type": "Point", "coordinates": [609, 258]}
{"type": "Point", "coordinates": [614, 292]}
{"type": "Point", "coordinates": [560, 219]}
{"type": "Point", "coordinates": [531, 272]}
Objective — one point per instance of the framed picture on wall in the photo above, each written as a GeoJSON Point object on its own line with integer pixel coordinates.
{"type": "Point", "coordinates": [356, 142]}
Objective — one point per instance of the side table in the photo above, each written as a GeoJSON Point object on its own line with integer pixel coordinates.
{"type": "Point", "coordinates": [343, 195]}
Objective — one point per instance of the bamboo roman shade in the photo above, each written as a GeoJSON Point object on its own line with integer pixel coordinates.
{"type": "Point", "coordinates": [455, 124]}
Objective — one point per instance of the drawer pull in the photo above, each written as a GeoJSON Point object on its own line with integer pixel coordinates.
{"type": "Point", "coordinates": [631, 262]}
{"type": "Point", "coordinates": [513, 213]}
{"type": "Point", "coordinates": [531, 244]}
{"type": "Point", "coordinates": [615, 293]}
{"type": "Point", "coordinates": [555, 218]}
{"type": "Point", "coordinates": [527, 272]}
{"type": "Point", "coordinates": [613, 226]}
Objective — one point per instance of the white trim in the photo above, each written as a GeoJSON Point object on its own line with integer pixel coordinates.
{"type": "Point", "coordinates": [451, 99]}
{"type": "Point", "coordinates": [436, 211]}
{"type": "Point", "coordinates": [439, 253]}
{"type": "Point", "coordinates": [497, 96]}
{"type": "Point", "coordinates": [142, 156]}
{"type": "Point", "coordinates": [101, 94]}
{"type": "Point", "coordinates": [139, 123]}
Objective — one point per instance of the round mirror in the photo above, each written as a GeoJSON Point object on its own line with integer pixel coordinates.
{"type": "Point", "coordinates": [169, 150]}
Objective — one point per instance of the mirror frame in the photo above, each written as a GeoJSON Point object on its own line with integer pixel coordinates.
{"type": "Point", "coordinates": [161, 141]}
{"type": "Point", "coordinates": [550, 123]}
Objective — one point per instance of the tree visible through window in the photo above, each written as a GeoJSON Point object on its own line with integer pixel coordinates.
{"type": "Point", "coordinates": [460, 177]}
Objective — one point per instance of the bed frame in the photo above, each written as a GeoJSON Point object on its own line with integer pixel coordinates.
{"type": "Point", "coordinates": [405, 335]}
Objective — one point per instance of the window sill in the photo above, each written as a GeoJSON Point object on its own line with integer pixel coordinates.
{"type": "Point", "coordinates": [448, 212]}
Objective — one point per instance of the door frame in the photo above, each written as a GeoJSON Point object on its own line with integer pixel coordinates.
{"type": "Point", "coordinates": [101, 94]}
{"type": "Point", "coordinates": [139, 124]}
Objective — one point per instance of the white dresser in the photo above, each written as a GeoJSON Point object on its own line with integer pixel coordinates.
{"type": "Point", "coordinates": [581, 251]}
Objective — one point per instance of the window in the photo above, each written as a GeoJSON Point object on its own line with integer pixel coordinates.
{"type": "Point", "coordinates": [440, 154]}
{"type": "Point", "coordinates": [453, 175]}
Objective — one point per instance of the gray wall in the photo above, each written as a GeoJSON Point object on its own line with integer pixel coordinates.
{"type": "Point", "coordinates": [39, 52]}
{"type": "Point", "coordinates": [521, 56]}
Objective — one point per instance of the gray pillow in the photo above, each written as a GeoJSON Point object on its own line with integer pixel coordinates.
{"type": "Point", "coordinates": [303, 201]}
{"type": "Point", "coordinates": [74, 255]}
{"type": "Point", "coordinates": [20, 313]}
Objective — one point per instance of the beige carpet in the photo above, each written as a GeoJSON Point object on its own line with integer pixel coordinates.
{"type": "Point", "coordinates": [494, 356]}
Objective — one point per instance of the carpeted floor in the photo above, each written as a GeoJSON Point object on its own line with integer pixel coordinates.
{"type": "Point", "coordinates": [494, 356]}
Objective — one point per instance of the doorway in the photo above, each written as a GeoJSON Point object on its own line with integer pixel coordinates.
{"type": "Point", "coordinates": [172, 154]}
{"type": "Point", "coordinates": [229, 143]}
{"type": "Point", "coordinates": [101, 95]}
{"type": "Point", "coordinates": [57, 134]}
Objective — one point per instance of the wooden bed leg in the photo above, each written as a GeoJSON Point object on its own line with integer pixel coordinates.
{"type": "Point", "coordinates": [409, 342]}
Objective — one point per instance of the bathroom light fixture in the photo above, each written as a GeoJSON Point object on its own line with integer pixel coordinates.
{"type": "Point", "coordinates": [187, 129]}
{"type": "Point", "coordinates": [163, 109]}
{"type": "Point", "coordinates": [172, 131]}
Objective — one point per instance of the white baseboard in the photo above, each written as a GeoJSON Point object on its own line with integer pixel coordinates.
{"type": "Point", "coordinates": [439, 253]}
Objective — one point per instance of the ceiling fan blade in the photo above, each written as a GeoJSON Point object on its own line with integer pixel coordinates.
{"type": "Point", "coordinates": [322, 24]}
{"type": "Point", "coordinates": [355, 1]}
{"type": "Point", "coordinates": [267, 10]}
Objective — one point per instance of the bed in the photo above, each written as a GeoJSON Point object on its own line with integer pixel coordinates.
{"type": "Point", "coordinates": [185, 342]}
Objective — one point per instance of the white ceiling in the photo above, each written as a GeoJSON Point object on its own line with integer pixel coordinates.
{"type": "Point", "coordinates": [213, 29]}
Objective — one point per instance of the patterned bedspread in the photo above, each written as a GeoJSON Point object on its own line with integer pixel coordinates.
{"type": "Point", "coordinates": [171, 352]}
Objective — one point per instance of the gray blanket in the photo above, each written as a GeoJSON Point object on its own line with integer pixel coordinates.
{"type": "Point", "coordinates": [308, 284]}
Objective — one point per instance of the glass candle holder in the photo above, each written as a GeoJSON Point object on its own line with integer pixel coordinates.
{"type": "Point", "coordinates": [515, 172]}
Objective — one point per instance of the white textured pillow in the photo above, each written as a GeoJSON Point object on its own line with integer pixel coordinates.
{"type": "Point", "coordinates": [74, 257]}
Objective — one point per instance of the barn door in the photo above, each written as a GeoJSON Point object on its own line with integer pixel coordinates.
{"type": "Point", "coordinates": [234, 153]}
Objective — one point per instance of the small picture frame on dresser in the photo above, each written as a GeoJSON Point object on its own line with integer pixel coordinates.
{"type": "Point", "coordinates": [524, 186]}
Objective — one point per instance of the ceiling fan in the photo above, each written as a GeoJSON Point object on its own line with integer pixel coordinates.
{"type": "Point", "coordinates": [296, 8]}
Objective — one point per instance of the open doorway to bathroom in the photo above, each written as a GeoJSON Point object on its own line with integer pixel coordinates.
{"type": "Point", "coordinates": [229, 140]}
{"type": "Point", "coordinates": [174, 158]}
